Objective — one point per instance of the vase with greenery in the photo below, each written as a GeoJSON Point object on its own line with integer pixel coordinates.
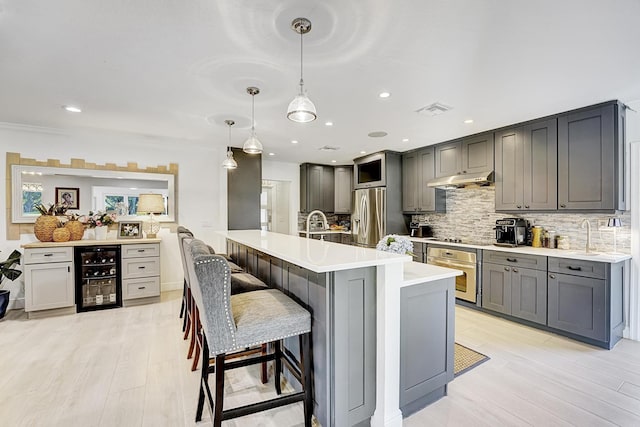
{"type": "Point", "coordinates": [7, 270]}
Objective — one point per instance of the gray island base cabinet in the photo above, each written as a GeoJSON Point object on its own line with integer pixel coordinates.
{"type": "Point", "coordinates": [382, 327]}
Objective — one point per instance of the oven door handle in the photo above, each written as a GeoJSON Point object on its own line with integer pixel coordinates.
{"type": "Point", "coordinates": [453, 264]}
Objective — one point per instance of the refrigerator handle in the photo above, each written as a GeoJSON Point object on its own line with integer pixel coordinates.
{"type": "Point", "coordinates": [365, 217]}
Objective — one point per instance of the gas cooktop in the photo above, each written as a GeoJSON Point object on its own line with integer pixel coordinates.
{"type": "Point", "coordinates": [457, 241]}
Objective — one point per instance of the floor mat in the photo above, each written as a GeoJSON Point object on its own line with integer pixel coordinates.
{"type": "Point", "coordinates": [465, 359]}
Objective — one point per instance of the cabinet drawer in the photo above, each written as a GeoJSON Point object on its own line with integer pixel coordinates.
{"type": "Point", "coordinates": [140, 288]}
{"type": "Point", "coordinates": [576, 267]}
{"type": "Point", "coordinates": [140, 267]}
{"type": "Point", "coordinates": [141, 250]}
{"type": "Point", "coordinates": [46, 255]}
{"type": "Point", "coordinates": [536, 262]}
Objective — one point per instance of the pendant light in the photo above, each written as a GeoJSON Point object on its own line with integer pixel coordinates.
{"type": "Point", "coordinates": [229, 162]}
{"type": "Point", "coordinates": [301, 109]}
{"type": "Point", "coordinates": [252, 145]}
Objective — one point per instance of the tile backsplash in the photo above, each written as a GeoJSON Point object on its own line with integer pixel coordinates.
{"type": "Point", "coordinates": [471, 216]}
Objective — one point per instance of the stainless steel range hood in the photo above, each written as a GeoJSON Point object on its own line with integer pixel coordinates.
{"type": "Point", "coordinates": [456, 181]}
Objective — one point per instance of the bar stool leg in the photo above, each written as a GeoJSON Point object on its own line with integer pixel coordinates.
{"type": "Point", "coordinates": [184, 302]}
{"type": "Point", "coordinates": [219, 399]}
{"type": "Point", "coordinates": [305, 361]}
{"type": "Point", "coordinates": [204, 377]}
{"type": "Point", "coordinates": [264, 376]}
{"type": "Point", "coordinates": [278, 366]}
{"type": "Point", "coordinates": [188, 314]}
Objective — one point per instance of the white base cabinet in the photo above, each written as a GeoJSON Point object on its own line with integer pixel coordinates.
{"type": "Point", "coordinates": [48, 279]}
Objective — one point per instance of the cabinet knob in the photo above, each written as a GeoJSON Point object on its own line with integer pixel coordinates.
{"type": "Point", "coordinates": [563, 205]}
{"type": "Point", "coordinates": [515, 270]}
{"type": "Point", "coordinates": [552, 276]}
{"type": "Point", "coordinates": [507, 269]}
{"type": "Point", "coordinates": [519, 206]}
{"type": "Point", "coordinates": [464, 171]}
{"type": "Point", "coordinates": [526, 206]}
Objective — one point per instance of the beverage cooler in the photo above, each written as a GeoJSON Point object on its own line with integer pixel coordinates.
{"type": "Point", "coordinates": [98, 277]}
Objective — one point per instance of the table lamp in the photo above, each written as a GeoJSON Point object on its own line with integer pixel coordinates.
{"type": "Point", "coordinates": [151, 204]}
{"type": "Point", "coordinates": [615, 223]}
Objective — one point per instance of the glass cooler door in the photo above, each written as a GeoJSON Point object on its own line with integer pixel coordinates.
{"type": "Point", "coordinates": [98, 277]}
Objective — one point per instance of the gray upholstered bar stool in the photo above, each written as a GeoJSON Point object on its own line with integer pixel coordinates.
{"type": "Point", "coordinates": [183, 233]}
{"type": "Point", "coordinates": [232, 323]}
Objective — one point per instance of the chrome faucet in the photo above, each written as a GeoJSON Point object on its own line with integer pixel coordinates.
{"type": "Point", "coordinates": [586, 221]}
{"type": "Point", "coordinates": [324, 219]}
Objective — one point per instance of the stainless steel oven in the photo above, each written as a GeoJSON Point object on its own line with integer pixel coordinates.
{"type": "Point", "coordinates": [463, 259]}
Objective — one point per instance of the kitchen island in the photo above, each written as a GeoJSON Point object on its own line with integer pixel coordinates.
{"type": "Point", "coordinates": [355, 296]}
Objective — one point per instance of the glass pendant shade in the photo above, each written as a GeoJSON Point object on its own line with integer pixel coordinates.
{"type": "Point", "coordinates": [301, 109]}
{"type": "Point", "coordinates": [229, 162]}
{"type": "Point", "coordinates": [252, 145]}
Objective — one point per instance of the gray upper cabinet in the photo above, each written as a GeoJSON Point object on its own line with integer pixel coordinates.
{"type": "Point", "coordinates": [448, 159]}
{"type": "Point", "coordinates": [526, 167]}
{"type": "Point", "coordinates": [469, 155]}
{"type": "Point", "coordinates": [418, 167]}
{"type": "Point", "coordinates": [591, 159]}
{"type": "Point", "coordinates": [477, 153]}
{"type": "Point", "coordinates": [343, 189]}
{"type": "Point", "coordinates": [317, 187]}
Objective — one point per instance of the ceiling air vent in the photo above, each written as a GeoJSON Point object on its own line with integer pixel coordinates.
{"type": "Point", "coordinates": [434, 109]}
{"type": "Point", "coordinates": [329, 148]}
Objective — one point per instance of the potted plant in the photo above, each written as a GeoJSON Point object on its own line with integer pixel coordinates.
{"type": "Point", "coordinates": [10, 273]}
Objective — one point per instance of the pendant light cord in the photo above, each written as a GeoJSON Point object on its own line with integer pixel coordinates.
{"type": "Point", "coordinates": [229, 146]}
{"type": "Point", "coordinates": [301, 57]}
{"type": "Point", "coordinates": [253, 120]}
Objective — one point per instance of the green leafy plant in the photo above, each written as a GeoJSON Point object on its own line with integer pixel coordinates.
{"type": "Point", "coordinates": [53, 209]}
{"type": "Point", "coordinates": [6, 269]}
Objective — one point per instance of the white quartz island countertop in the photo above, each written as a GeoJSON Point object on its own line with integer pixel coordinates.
{"type": "Point", "coordinates": [315, 255]}
{"type": "Point", "coordinates": [417, 272]}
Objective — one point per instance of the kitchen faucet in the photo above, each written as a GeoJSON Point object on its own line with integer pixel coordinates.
{"type": "Point", "coordinates": [324, 219]}
{"type": "Point", "coordinates": [586, 221]}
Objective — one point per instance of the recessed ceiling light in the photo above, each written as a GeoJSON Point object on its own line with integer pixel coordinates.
{"type": "Point", "coordinates": [384, 94]}
{"type": "Point", "coordinates": [468, 121]}
{"type": "Point", "coordinates": [272, 154]}
{"type": "Point", "coordinates": [363, 152]}
{"type": "Point", "coordinates": [333, 161]}
{"type": "Point", "coordinates": [405, 139]}
{"type": "Point", "coordinates": [329, 124]}
{"type": "Point", "coordinates": [71, 109]}
{"type": "Point", "coordinates": [294, 141]}
{"type": "Point", "coordinates": [377, 134]}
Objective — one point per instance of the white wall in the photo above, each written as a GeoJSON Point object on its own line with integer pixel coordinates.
{"type": "Point", "coordinates": [633, 293]}
{"type": "Point", "coordinates": [284, 171]}
{"type": "Point", "coordinates": [201, 184]}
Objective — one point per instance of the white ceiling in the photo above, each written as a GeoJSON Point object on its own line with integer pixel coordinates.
{"type": "Point", "coordinates": [179, 68]}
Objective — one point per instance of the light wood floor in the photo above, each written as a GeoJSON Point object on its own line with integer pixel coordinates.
{"type": "Point", "coordinates": [127, 367]}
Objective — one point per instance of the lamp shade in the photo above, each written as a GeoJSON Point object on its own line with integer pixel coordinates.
{"type": "Point", "coordinates": [301, 109]}
{"type": "Point", "coordinates": [150, 204]}
{"type": "Point", "coordinates": [252, 145]}
{"type": "Point", "coordinates": [614, 222]}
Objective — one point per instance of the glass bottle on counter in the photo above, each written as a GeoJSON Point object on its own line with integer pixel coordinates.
{"type": "Point", "coordinates": [545, 239]}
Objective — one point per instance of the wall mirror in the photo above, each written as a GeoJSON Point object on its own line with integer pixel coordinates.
{"type": "Point", "coordinates": [87, 190]}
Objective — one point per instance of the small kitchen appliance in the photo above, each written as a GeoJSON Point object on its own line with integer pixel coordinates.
{"type": "Point", "coordinates": [511, 232]}
{"type": "Point", "coordinates": [417, 229]}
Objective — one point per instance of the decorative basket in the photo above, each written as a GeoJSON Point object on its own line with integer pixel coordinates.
{"type": "Point", "coordinates": [61, 234]}
{"type": "Point", "coordinates": [44, 227]}
{"type": "Point", "coordinates": [76, 229]}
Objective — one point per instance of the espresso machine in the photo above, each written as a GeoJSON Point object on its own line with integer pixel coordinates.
{"type": "Point", "coordinates": [511, 232]}
{"type": "Point", "coordinates": [418, 229]}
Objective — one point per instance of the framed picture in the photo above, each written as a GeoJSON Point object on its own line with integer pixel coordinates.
{"type": "Point", "coordinates": [70, 197]}
{"type": "Point", "coordinates": [130, 230]}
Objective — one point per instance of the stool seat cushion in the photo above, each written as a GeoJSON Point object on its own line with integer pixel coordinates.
{"type": "Point", "coordinates": [244, 282]}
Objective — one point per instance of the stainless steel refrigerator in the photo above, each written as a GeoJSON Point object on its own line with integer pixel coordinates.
{"type": "Point", "coordinates": [369, 217]}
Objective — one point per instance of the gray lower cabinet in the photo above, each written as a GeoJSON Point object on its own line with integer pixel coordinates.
{"type": "Point", "coordinates": [418, 167]}
{"type": "Point", "coordinates": [515, 285]}
{"type": "Point", "coordinates": [526, 167]}
{"type": "Point", "coordinates": [585, 299]}
{"type": "Point", "coordinates": [419, 252]}
{"type": "Point", "coordinates": [591, 159]}
{"type": "Point", "coordinates": [426, 343]}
